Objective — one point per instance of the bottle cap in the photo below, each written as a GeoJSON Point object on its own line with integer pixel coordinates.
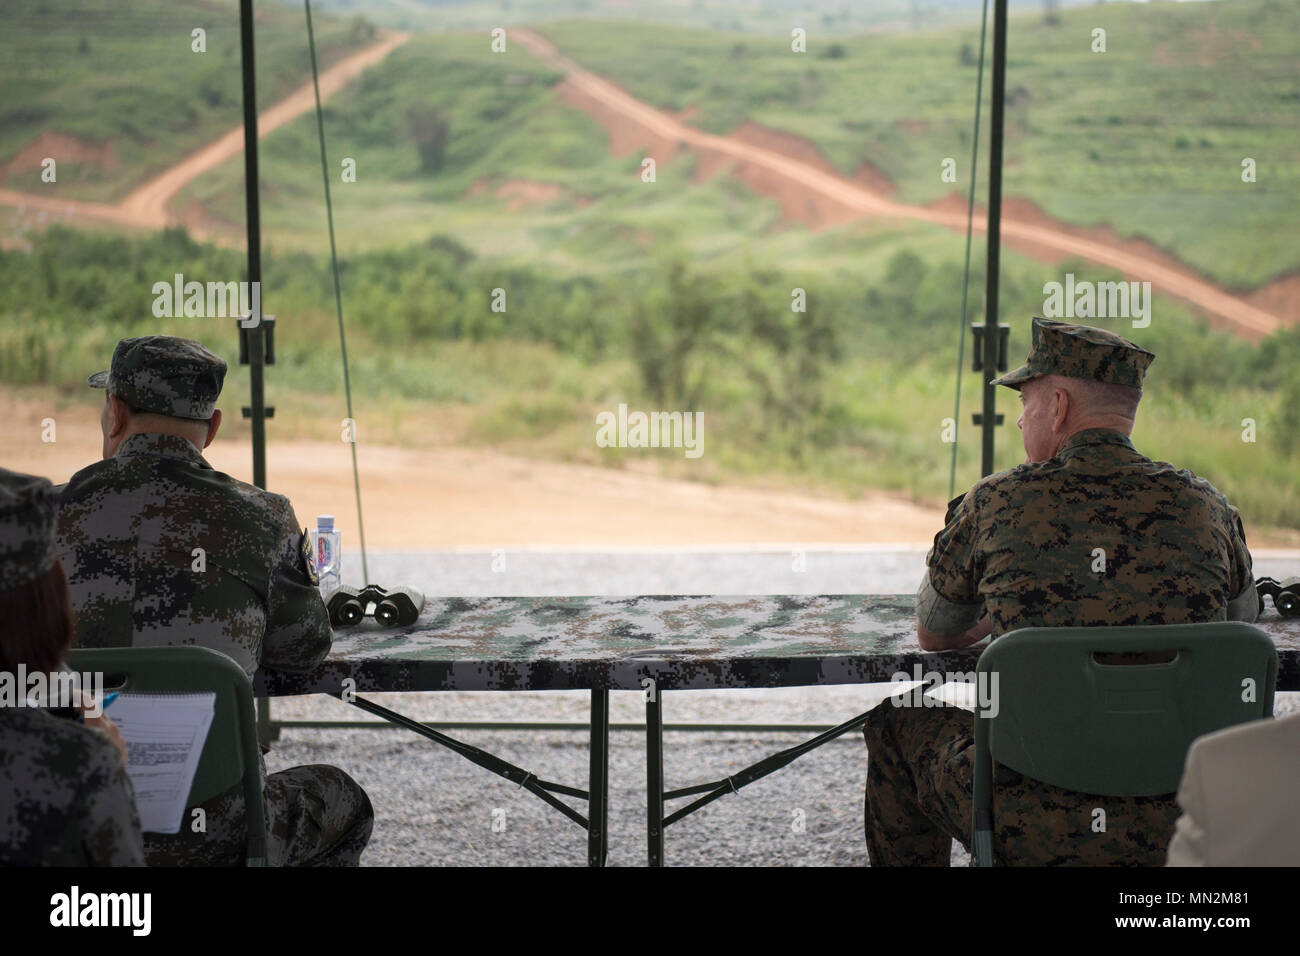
{"type": "Point", "coordinates": [324, 522]}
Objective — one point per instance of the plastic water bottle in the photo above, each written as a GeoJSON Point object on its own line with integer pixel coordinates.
{"type": "Point", "coordinates": [325, 548]}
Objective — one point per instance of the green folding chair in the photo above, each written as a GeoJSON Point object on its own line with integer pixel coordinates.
{"type": "Point", "coordinates": [1066, 719]}
{"type": "Point", "coordinates": [230, 754]}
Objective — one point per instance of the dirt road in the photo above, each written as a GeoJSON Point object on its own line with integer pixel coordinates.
{"type": "Point", "coordinates": [765, 167]}
{"type": "Point", "coordinates": [146, 206]}
{"type": "Point", "coordinates": [793, 178]}
{"type": "Point", "coordinates": [476, 498]}
{"type": "Point", "coordinates": [451, 497]}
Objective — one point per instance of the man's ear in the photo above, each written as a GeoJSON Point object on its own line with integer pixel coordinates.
{"type": "Point", "coordinates": [1060, 408]}
{"type": "Point", "coordinates": [213, 425]}
{"type": "Point", "coordinates": [119, 416]}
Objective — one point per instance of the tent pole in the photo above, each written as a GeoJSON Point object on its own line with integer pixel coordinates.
{"type": "Point", "coordinates": [253, 339]}
{"type": "Point", "coordinates": [994, 337]}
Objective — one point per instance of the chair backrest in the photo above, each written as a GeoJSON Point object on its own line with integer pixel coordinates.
{"type": "Point", "coordinates": [230, 754]}
{"type": "Point", "coordinates": [1067, 719]}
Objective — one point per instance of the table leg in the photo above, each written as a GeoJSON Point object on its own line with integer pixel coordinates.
{"type": "Point", "coordinates": [654, 752]}
{"type": "Point", "coordinates": [266, 732]}
{"type": "Point", "coordinates": [598, 783]}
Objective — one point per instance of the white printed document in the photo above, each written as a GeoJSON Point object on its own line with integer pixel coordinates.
{"type": "Point", "coordinates": [164, 736]}
{"type": "Point", "coordinates": [874, 693]}
{"type": "Point", "coordinates": [957, 693]}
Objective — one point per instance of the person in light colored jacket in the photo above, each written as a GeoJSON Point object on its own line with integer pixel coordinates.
{"type": "Point", "coordinates": [1240, 797]}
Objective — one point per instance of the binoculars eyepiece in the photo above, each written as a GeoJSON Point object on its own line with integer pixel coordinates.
{"type": "Point", "coordinates": [398, 607]}
{"type": "Point", "coordinates": [1285, 595]}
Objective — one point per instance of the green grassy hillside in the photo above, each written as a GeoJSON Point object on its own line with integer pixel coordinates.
{"type": "Point", "coordinates": [1147, 137]}
{"type": "Point", "coordinates": [505, 125]}
{"type": "Point", "coordinates": [123, 75]}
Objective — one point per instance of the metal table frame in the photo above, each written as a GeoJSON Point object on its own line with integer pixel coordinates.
{"type": "Point", "coordinates": [657, 823]}
{"type": "Point", "coordinates": [596, 822]}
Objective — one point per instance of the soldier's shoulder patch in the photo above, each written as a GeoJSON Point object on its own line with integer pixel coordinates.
{"type": "Point", "coordinates": [308, 559]}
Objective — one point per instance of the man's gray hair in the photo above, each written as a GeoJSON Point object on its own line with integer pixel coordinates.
{"type": "Point", "coordinates": [1101, 398]}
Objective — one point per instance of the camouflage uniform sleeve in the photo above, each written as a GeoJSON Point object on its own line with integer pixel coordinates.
{"type": "Point", "coordinates": [1244, 606]}
{"type": "Point", "coordinates": [298, 634]}
{"type": "Point", "coordinates": [111, 822]}
{"type": "Point", "coordinates": [949, 601]}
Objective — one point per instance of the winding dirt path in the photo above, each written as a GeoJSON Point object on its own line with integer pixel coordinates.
{"type": "Point", "coordinates": [766, 169]}
{"type": "Point", "coordinates": [762, 166]}
{"type": "Point", "coordinates": [146, 206]}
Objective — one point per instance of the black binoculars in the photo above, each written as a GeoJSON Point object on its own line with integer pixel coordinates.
{"type": "Point", "coordinates": [1285, 595]}
{"type": "Point", "coordinates": [399, 606]}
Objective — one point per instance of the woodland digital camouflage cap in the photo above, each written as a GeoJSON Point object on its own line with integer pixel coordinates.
{"type": "Point", "coordinates": [28, 510]}
{"type": "Point", "coordinates": [165, 375]}
{"type": "Point", "coordinates": [1080, 351]}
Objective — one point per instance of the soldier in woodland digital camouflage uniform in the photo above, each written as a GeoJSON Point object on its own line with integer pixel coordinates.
{"type": "Point", "coordinates": [65, 799]}
{"type": "Point", "coordinates": [1018, 550]}
{"type": "Point", "coordinates": [162, 549]}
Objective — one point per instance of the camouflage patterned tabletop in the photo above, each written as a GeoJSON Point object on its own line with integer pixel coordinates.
{"type": "Point", "coordinates": [568, 643]}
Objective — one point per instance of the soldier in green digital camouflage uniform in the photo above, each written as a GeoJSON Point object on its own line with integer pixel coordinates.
{"type": "Point", "coordinates": [1020, 550]}
{"type": "Point", "coordinates": [65, 799]}
{"type": "Point", "coordinates": [162, 549]}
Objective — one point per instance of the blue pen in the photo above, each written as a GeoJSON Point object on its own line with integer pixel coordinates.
{"type": "Point", "coordinates": [108, 700]}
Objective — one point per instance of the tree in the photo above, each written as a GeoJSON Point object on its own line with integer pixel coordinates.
{"type": "Point", "coordinates": [360, 30]}
{"type": "Point", "coordinates": [1288, 414]}
{"type": "Point", "coordinates": [430, 130]}
{"type": "Point", "coordinates": [671, 335]}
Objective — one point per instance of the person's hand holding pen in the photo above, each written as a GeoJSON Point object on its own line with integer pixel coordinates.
{"type": "Point", "coordinates": [102, 724]}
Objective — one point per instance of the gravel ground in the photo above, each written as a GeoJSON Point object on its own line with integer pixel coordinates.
{"type": "Point", "coordinates": [433, 807]}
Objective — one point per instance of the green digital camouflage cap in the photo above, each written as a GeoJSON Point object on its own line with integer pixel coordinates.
{"type": "Point", "coordinates": [1080, 351]}
{"type": "Point", "coordinates": [165, 375]}
{"type": "Point", "coordinates": [29, 508]}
